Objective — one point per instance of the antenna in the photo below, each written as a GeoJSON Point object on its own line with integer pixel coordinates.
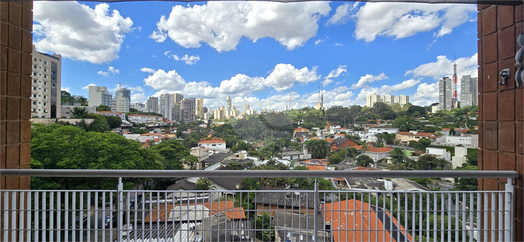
{"type": "Point", "coordinates": [119, 84]}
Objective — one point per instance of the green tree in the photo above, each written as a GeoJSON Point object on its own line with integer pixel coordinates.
{"type": "Point", "coordinates": [113, 121]}
{"type": "Point", "coordinates": [398, 156]}
{"type": "Point", "coordinates": [318, 148]}
{"type": "Point", "coordinates": [234, 165]}
{"type": "Point", "coordinates": [69, 147]}
{"type": "Point", "coordinates": [473, 157]}
{"type": "Point", "coordinates": [429, 162]}
{"type": "Point", "coordinates": [364, 160]}
{"type": "Point", "coordinates": [80, 113]}
{"type": "Point", "coordinates": [103, 108]}
{"type": "Point", "coordinates": [173, 154]}
{"type": "Point", "coordinates": [418, 110]}
{"type": "Point", "coordinates": [204, 184]}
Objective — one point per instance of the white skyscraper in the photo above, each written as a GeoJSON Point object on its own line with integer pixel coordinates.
{"type": "Point", "coordinates": [200, 107]}
{"type": "Point", "coordinates": [120, 103]}
{"type": "Point", "coordinates": [402, 99]}
{"type": "Point", "coordinates": [166, 105]}
{"type": "Point", "coordinates": [152, 105]}
{"type": "Point", "coordinates": [372, 99]}
{"type": "Point", "coordinates": [468, 91]}
{"type": "Point", "coordinates": [246, 108]}
{"type": "Point", "coordinates": [228, 104]}
{"type": "Point", "coordinates": [445, 93]}
{"type": "Point", "coordinates": [389, 99]}
{"type": "Point", "coordinates": [46, 85]}
{"type": "Point", "coordinates": [99, 96]}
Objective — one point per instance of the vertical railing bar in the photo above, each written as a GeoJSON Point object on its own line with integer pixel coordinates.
{"type": "Point", "coordinates": [143, 215]}
{"type": "Point", "coordinates": [391, 212]}
{"type": "Point", "coordinates": [315, 219]}
{"type": "Point", "coordinates": [119, 210]}
{"type": "Point", "coordinates": [13, 216]}
{"type": "Point", "coordinates": [28, 222]}
{"type": "Point", "coordinates": [150, 212]}
{"type": "Point", "coordinates": [355, 214]}
{"type": "Point", "coordinates": [103, 223]}
{"type": "Point", "coordinates": [51, 215]}
{"type": "Point", "coordinates": [399, 218]}
{"type": "Point", "coordinates": [112, 215]}
{"type": "Point", "coordinates": [463, 206]}
{"type": "Point", "coordinates": [435, 201]}
{"type": "Point", "coordinates": [81, 216]}
{"type": "Point", "coordinates": [493, 215]}
{"type": "Point", "coordinates": [428, 217]}
{"type": "Point", "coordinates": [89, 216]}
{"type": "Point", "coordinates": [442, 216]}
{"type": "Point", "coordinates": [73, 216]}
{"type": "Point", "coordinates": [500, 216]}
{"type": "Point", "coordinates": [37, 216]}
{"type": "Point", "coordinates": [384, 206]}
{"type": "Point", "coordinates": [406, 209]}
{"type": "Point", "coordinates": [471, 218]}
{"type": "Point", "coordinates": [127, 210]}
{"type": "Point", "coordinates": [449, 207]}
{"type": "Point", "coordinates": [96, 216]}
{"type": "Point", "coordinates": [59, 215]}
{"type": "Point", "coordinates": [44, 216]}
{"type": "Point", "coordinates": [456, 217]}
{"type": "Point", "coordinates": [21, 217]}
{"type": "Point", "coordinates": [413, 220]}
{"type": "Point", "coordinates": [6, 216]}
{"type": "Point", "coordinates": [508, 208]}
{"type": "Point", "coordinates": [485, 218]}
{"type": "Point", "coordinates": [66, 216]}
{"type": "Point", "coordinates": [135, 207]}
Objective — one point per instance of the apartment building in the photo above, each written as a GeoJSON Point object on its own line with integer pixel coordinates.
{"type": "Point", "coordinates": [445, 93]}
{"type": "Point", "coordinates": [46, 85]}
{"type": "Point", "coordinates": [468, 91]}
{"type": "Point", "coordinates": [402, 99]}
{"type": "Point", "coordinates": [144, 118]}
{"type": "Point", "coordinates": [152, 105]}
{"type": "Point", "coordinates": [66, 111]}
{"type": "Point", "coordinates": [99, 96]}
{"type": "Point", "coordinates": [200, 107]}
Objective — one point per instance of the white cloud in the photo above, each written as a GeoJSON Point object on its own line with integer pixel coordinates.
{"type": "Point", "coordinates": [368, 78]}
{"type": "Point", "coordinates": [161, 79]}
{"type": "Point", "coordinates": [190, 60]}
{"type": "Point", "coordinates": [334, 74]}
{"type": "Point", "coordinates": [221, 25]}
{"type": "Point", "coordinates": [401, 20]}
{"type": "Point", "coordinates": [87, 87]}
{"type": "Point", "coordinates": [113, 70]}
{"type": "Point", "coordinates": [167, 52]}
{"type": "Point", "coordinates": [147, 70]}
{"type": "Point", "coordinates": [79, 32]}
{"type": "Point", "coordinates": [444, 67]}
{"type": "Point", "coordinates": [103, 73]}
{"type": "Point", "coordinates": [339, 44]}
{"type": "Point", "coordinates": [284, 76]}
{"type": "Point", "coordinates": [110, 70]}
{"type": "Point", "coordinates": [67, 89]}
{"type": "Point", "coordinates": [342, 13]}
{"type": "Point", "coordinates": [138, 97]}
{"type": "Point", "coordinates": [136, 89]}
{"type": "Point", "coordinates": [426, 94]}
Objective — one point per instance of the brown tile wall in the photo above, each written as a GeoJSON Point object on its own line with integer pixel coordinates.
{"type": "Point", "coordinates": [501, 109]}
{"type": "Point", "coordinates": [15, 88]}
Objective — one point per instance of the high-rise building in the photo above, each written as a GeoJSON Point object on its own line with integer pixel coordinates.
{"type": "Point", "coordinates": [177, 97]}
{"type": "Point", "coordinates": [46, 85]}
{"type": "Point", "coordinates": [99, 96]}
{"type": "Point", "coordinates": [228, 103]}
{"type": "Point", "coordinates": [121, 103]}
{"type": "Point", "coordinates": [166, 105]}
{"type": "Point", "coordinates": [402, 99]}
{"type": "Point", "coordinates": [152, 104]}
{"type": "Point", "coordinates": [188, 110]}
{"type": "Point", "coordinates": [445, 94]}
{"type": "Point", "coordinates": [372, 99]}
{"type": "Point", "coordinates": [389, 99]}
{"type": "Point", "coordinates": [200, 108]}
{"type": "Point", "coordinates": [468, 91]}
{"type": "Point", "coordinates": [139, 106]}
{"type": "Point", "coordinates": [246, 108]}
{"type": "Point", "coordinates": [177, 112]}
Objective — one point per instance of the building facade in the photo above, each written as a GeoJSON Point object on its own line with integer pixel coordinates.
{"type": "Point", "coordinates": [468, 91]}
{"type": "Point", "coordinates": [188, 110]}
{"type": "Point", "coordinates": [389, 99]}
{"type": "Point", "coordinates": [99, 96]}
{"type": "Point", "coordinates": [152, 105]}
{"type": "Point", "coordinates": [402, 99]}
{"type": "Point", "coordinates": [66, 111]}
{"type": "Point", "coordinates": [229, 104]}
{"type": "Point", "coordinates": [166, 102]}
{"type": "Point", "coordinates": [372, 99]}
{"type": "Point", "coordinates": [46, 85]}
{"type": "Point", "coordinates": [200, 107]}
{"type": "Point", "coordinates": [445, 93]}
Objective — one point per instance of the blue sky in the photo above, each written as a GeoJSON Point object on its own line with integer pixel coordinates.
{"type": "Point", "coordinates": [257, 52]}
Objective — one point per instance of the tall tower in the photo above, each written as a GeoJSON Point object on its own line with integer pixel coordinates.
{"type": "Point", "coordinates": [228, 103]}
{"type": "Point", "coordinates": [454, 99]}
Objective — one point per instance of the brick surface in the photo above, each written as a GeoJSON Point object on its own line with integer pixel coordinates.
{"type": "Point", "coordinates": [490, 136]}
{"type": "Point", "coordinates": [490, 158]}
{"type": "Point", "coordinates": [15, 13]}
{"type": "Point", "coordinates": [489, 48]}
{"type": "Point", "coordinates": [13, 132]}
{"type": "Point", "coordinates": [479, 25]}
{"type": "Point", "coordinates": [25, 86]}
{"type": "Point", "coordinates": [489, 20]}
{"type": "Point", "coordinates": [518, 13]}
{"type": "Point", "coordinates": [28, 4]}
{"type": "Point", "coordinates": [507, 161]}
{"type": "Point", "coordinates": [3, 58]}
{"type": "Point", "coordinates": [4, 38]}
{"type": "Point", "coordinates": [490, 78]}
{"type": "Point", "coordinates": [519, 135]}
{"type": "Point", "coordinates": [26, 60]}
{"type": "Point", "coordinates": [490, 185]}
{"type": "Point", "coordinates": [4, 8]}
{"type": "Point", "coordinates": [482, 6]}
{"type": "Point", "coordinates": [3, 108]}
{"type": "Point", "coordinates": [489, 106]}
{"type": "Point", "coordinates": [13, 108]}
{"type": "Point", "coordinates": [519, 104]}
{"type": "Point", "coordinates": [27, 41]}
{"type": "Point", "coordinates": [13, 60]}
{"type": "Point", "coordinates": [506, 105]}
{"type": "Point", "coordinates": [520, 166]}
{"type": "Point", "coordinates": [27, 19]}
{"type": "Point", "coordinates": [480, 107]}
{"type": "Point", "coordinates": [12, 156]}
{"type": "Point", "coordinates": [25, 131]}
{"type": "Point", "coordinates": [505, 16]}
{"type": "Point", "coordinates": [479, 53]}
{"type": "Point", "coordinates": [25, 110]}
{"type": "Point", "coordinates": [13, 84]}
{"type": "Point", "coordinates": [507, 136]}
{"type": "Point", "coordinates": [3, 82]}
{"type": "Point", "coordinates": [25, 154]}
{"type": "Point", "coordinates": [480, 160]}
{"type": "Point", "coordinates": [11, 182]}
{"type": "Point", "coordinates": [15, 35]}
{"type": "Point", "coordinates": [480, 80]}
{"type": "Point", "coordinates": [481, 135]}
{"type": "Point", "coordinates": [3, 136]}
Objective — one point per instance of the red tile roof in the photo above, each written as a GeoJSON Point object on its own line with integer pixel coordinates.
{"type": "Point", "coordinates": [301, 130]}
{"type": "Point", "coordinates": [316, 168]}
{"type": "Point", "coordinates": [417, 134]}
{"type": "Point", "coordinates": [379, 150]}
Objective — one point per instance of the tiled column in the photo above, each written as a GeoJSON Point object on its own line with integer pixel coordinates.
{"type": "Point", "coordinates": [500, 106]}
{"type": "Point", "coordinates": [16, 22]}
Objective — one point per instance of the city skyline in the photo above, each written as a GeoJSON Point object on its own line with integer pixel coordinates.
{"type": "Point", "coordinates": [348, 46]}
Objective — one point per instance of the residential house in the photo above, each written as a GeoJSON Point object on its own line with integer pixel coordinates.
{"type": "Point", "coordinates": [200, 153]}
{"type": "Point", "coordinates": [213, 143]}
{"type": "Point", "coordinates": [340, 130]}
{"type": "Point", "coordinates": [145, 118]}
{"type": "Point", "coordinates": [122, 116]}
{"type": "Point", "coordinates": [285, 234]}
{"type": "Point", "coordinates": [366, 223]}
{"type": "Point", "coordinates": [439, 153]}
{"type": "Point", "coordinates": [67, 110]}
{"type": "Point", "coordinates": [214, 159]}
{"type": "Point", "coordinates": [377, 153]}
{"type": "Point", "coordinates": [301, 133]}
{"type": "Point", "coordinates": [291, 154]}
{"type": "Point", "coordinates": [382, 129]}
{"type": "Point", "coordinates": [330, 126]}
{"type": "Point", "coordinates": [272, 202]}
{"type": "Point", "coordinates": [405, 137]}
{"type": "Point", "coordinates": [341, 143]}
{"type": "Point", "coordinates": [150, 137]}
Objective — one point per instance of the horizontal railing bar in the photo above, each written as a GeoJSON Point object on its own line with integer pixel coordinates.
{"type": "Point", "coordinates": [253, 173]}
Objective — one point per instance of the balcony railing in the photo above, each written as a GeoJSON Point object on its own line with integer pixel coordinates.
{"type": "Point", "coordinates": [261, 215]}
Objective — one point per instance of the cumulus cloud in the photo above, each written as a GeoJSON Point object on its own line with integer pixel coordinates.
{"type": "Point", "coordinates": [401, 20]}
{"type": "Point", "coordinates": [147, 70]}
{"type": "Point", "coordinates": [339, 44]}
{"type": "Point", "coordinates": [110, 70]}
{"type": "Point", "coordinates": [190, 60]}
{"type": "Point", "coordinates": [334, 74]}
{"type": "Point", "coordinates": [368, 78]}
{"type": "Point", "coordinates": [79, 32]}
{"type": "Point", "coordinates": [67, 89]}
{"type": "Point", "coordinates": [87, 87]}
{"type": "Point", "coordinates": [103, 73]}
{"type": "Point", "coordinates": [161, 79]}
{"type": "Point", "coordinates": [138, 97]}
{"type": "Point", "coordinates": [426, 94]}
{"type": "Point", "coordinates": [284, 76]}
{"type": "Point", "coordinates": [221, 25]}
{"type": "Point", "coordinates": [444, 67]}
{"type": "Point", "coordinates": [342, 13]}
{"type": "Point", "coordinates": [320, 41]}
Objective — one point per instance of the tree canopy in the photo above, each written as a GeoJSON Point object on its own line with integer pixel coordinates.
{"type": "Point", "coordinates": [318, 148]}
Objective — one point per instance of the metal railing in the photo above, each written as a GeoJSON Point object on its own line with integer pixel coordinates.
{"type": "Point", "coordinates": [262, 215]}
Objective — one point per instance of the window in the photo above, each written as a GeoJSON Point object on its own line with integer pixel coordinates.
{"type": "Point", "coordinates": [34, 81]}
{"type": "Point", "coordinates": [34, 73]}
{"type": "Point", "coordinates": [34, 103]}
{"type": "Point", "coordinates": [45, 62]}
{"type": "Point", "coordinates": [45, 97]}
{"type": "Point", "coordinates": [45, 76]}
{"type": "Point", "coordinates": [45, 83]}
{"type": "Point", "coordinates": [34, 59]}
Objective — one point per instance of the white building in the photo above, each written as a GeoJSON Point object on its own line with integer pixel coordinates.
{"type": "Point", "coordinates": [46, 85]}
{"type": "Point", "coordinates": [372, 99]}
{"type": "Point", "coordinates": [152, 105]}
{"type": "Point", "coordinates": [382, 129]}
{"type": "Point", "coordinates": [145, 118]}
{"type": "Point", "coordinates": [445, 93]}
{"type": "Point", "coordinates": [121, 103]}
{"type": "Point", "coordinates": [460, 157]}
{"type": "Point", "coordinates": [67, 110]}
{"type": "Point", "coordinates": [458, 140]}
{"type": "Point", "coordinates": [200, 107]}
{"type": "Point", "coordinates": [435, 108]}
{"type": "Point", "coordinates": [468, 91]}
{"type": "Point", "coordinates": [122, 116]}
{"type": "Point", "coordinates": [212, 144]}
{"type": "Point", "coordinates": [439, 153]}
{"type": "Point", "coordinates": [378, 153]}
{"type": "Point", "coordinates": [139, 106]}
{"type": "Point", "coordinates": [389, 99]}
{"type": "Point", "coordinates": [402, 99]}
{"type": "Point", "coordinates": [166, 105]}
{"type": "Point", "coordinates": [99, 96]}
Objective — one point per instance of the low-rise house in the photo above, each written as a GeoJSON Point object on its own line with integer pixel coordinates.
{"type": "Point", "coordinates": [382, 129]}
{"type": "Point", "coordinates": [301, 133]}
{"type": "Point", "coordinates": [366, 223]}
{"type": "Point", "coordinates": [291, 154]}
{"type": "Point", "coordinates": [213, 143]}
{"type": "Point", "coordinates": [341, 143]}
{"type": "Point", "coordinates": [200, 153]}
{"type": "Point", "coordinates": [272, 202]}
{"type": "Point", "coordinates": [145, 119]}
{"type": "Point", "coordinates": [378, 153]}
{"type": "Point", "coordinates": [405, 137]}
{"type": "Point", "coordinates": [149, 137]}
{"type": "Point", "coordinates": [340, 130]}
{"type": "Point", "coordinates": [330, 126]}
{"type": "Point", "coordinates": [285, 234]}
{"type": "Point", "coordinates": [213, 159]}
{"type": "Point", "coordinates": [439, 153]}
{"type": "Point", "coordinates": [122, 116]}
